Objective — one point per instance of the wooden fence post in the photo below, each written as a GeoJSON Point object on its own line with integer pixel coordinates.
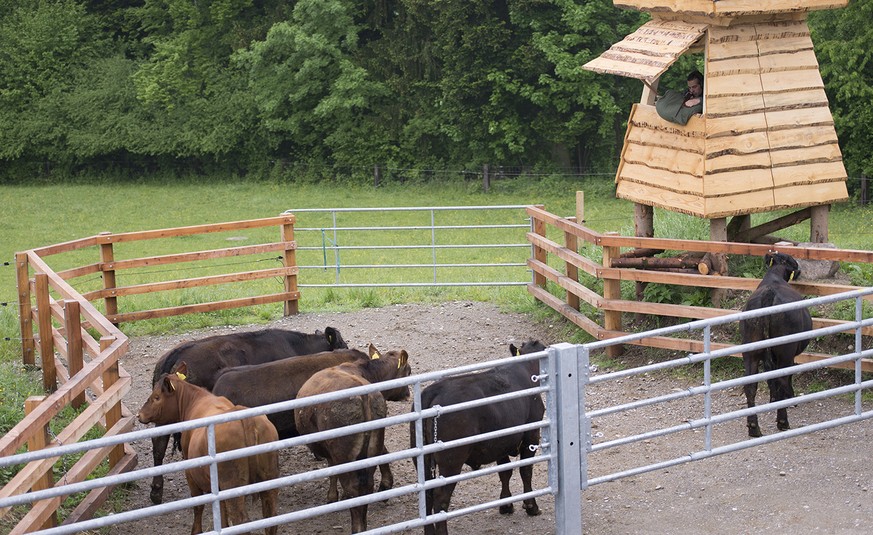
{"type": "Point", "coordinates": [612, 290]}
{"type": "Point", "coordinates": [486, 178]}
{"type": "Point", "coordinates": [864, 197]}
{"type": "Point", "coordinates": [571, 241]}
{"type": "Point", "coordinates": [25, 309]}
{"type": "Point", "coordinates": [377, 175]}
{"type": "Point", "coordinates": [46, 340]}
{"type": "Point", "coordinates": [113, 415]}
{"type": "Point", "coordinates": [289, 259]}
{"type": "Point", "coordinates": [75, 353]}
{"type": "Point", "coordinates": [40, 441]}
{"type": "Point", "coordinates": [539, 227]}
{"type": "Point", "coordinates": [107, 259]}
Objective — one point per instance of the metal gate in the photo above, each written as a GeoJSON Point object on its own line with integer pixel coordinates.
{"type": "Point", "coordinates": [569, 448]}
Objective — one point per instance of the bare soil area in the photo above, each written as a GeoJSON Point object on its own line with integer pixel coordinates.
{"type": "Point", "coordinates": [814, 483]}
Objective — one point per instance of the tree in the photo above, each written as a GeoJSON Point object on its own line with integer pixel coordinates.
{"type": "Point", "coordinates": [844, 45]}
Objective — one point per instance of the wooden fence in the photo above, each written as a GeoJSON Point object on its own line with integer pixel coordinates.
{"type": "Point", "coordinates": [549, 253]}
{"type": "Point", "coordinates": [64, 326]}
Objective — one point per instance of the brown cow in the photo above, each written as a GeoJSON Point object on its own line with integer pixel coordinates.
{"type": "Point", "coordinates": [272, 382]}
{"type": "Point", "coordinates": [345, 412]}
{"type": "Point", "coordinates": [175, 400]}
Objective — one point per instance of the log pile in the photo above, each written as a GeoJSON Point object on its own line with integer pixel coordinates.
{"type": "Point", "coordinates": [702, 263]}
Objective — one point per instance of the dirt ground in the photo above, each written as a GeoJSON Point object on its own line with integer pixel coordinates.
{"type": "Point", "coordinates": [814, 483]}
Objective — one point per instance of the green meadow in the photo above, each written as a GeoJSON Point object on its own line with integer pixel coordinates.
{"type": "Point", "coordinates": [40, 215]}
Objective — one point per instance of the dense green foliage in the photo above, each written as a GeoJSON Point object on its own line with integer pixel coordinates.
{"type": "Point", "coordinates": [319, 88]}
{"type": "Point", "coordinates": [258, 87]}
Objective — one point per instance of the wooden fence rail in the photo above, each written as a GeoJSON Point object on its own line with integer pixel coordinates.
{"type": "Point", "coordinates": [575, 291]}
{"type": "Point", "coordinates": [80, 346]}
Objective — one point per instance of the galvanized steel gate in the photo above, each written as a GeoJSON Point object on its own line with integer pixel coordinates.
{"type": "Point", "coordinates": [568, 444]}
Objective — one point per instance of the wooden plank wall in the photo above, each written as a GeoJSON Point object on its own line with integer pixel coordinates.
{"type": "Point", "coordinates": [767, 140]}
{"type": "Point", "coordinates": [768, 125]}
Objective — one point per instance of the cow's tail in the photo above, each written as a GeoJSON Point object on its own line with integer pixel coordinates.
{"type": "Point", "coordinates": [367, 414]}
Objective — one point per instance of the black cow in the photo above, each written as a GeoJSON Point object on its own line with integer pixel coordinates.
{"type": "Point", "coordinates": [461, 424]}
{"type": "Point", "coordinates": [205, 358]}
{"type": "Point", "coordinates": [774, 290]}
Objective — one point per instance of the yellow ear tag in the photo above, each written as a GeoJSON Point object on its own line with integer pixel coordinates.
{"type": "Point", "coordinates": [375, 355]}
{"type": "Point", "coordinates": [181, 375]}
{"type": "Point", "coordinates": [517, 352]}
{"type": "Point", "coordinates": [791, 277]}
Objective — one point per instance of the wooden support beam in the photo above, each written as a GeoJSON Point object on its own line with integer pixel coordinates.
{"type": "Point", "coordinates": [780, 223]}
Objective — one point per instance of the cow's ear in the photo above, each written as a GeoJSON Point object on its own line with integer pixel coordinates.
{"type": "Point", "coordinates": [374, 353]}
{"type": "Point", "coordinates": [404, 358]}
{"type": "Point", "coordinates": [168, 384]}
{"type": "Point", "coordinates": [329, 334]}
{"type": "Point", "coordinates": [182, 368]}
{"type": "Point", "coordinates": [514, 351]}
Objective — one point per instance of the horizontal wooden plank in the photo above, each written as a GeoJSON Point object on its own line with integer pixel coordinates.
{"type": "Point", "coordinates": [815, 154]}
{"type": "Point", "coordinates": [738, 33]}
{"type": "Point", "coordinates": [647, 117]}
{"type": "Point", "coordinates": [195, 256]}
{"type": "Point", "coordinates": [739, 203]}
{"type": "Point", "coordinates": [789, 61]}
{"type": "Point", "coordinates": [793, 80]}
{"type": "Point", "coordinates": [727, 50]}
{"type": "Point", "coordinates": [790, 99]}
{"type": "Point", "coordinates": [663, 158]}
{"type": "Point", "coordinates": [575, 287]}
{"type": "Point", "coordinates": [768, 46]}
{"type": "Point", "coordinates": [735, 125]}
{"type": "Point", "coordinates": [808, 136]}
{"type": "Point", "coordinates": [196, 282]}
{"type": "Point", "coordinates": [564, 253]}
{"type": "Point", "coordinates": [736, 182]}
{"type": "Point", "coordinates": [730, 66]}
{"type": "Point", "coordinates": [659, 137]}
{"type": "Point", "coordinates": [575, 228]}
{"type": "Point", "coordinates": [734, 84]}
{"type": "Point", "coordinates": [662, 178]}
{"type": "Point", "coordinates": [623, 68]}
{"type": "Point", "coordinates": [196, 229]}
{"type": "Point", "coordinates": [747, 143]}
{"type": "Point", "coordinates": [734, 105]}
{"type": "Point", "coordinates": [724, 8]}
{"type": "Point", "coordinates": [578, 318]}
{"type": "Point", "coordinates": [810, 194]}
{"type": "Point", "coordinates": [203, 307]}
{"type": "Point", "coordinates": [780, 119]}
{"type": "Point", "coordinates": [744, 163]}
{"type": "Point", "coordinates": [653, 196]}
{"type": "Point", "coordinates": [808, 173]}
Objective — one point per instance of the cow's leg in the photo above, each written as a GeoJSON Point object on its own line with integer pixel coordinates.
{"type": "Point", "coordinates": [751, 389]}
{"type": "Point", "coordinates": [268, 507]}
{"type": "Point", "coordinates": [505, 477]}
{"type": "Point", "coordinates": [440, 497]}
{"type": "Point", "coordinates": [782, 389]}
{"type": "Point", "coordinates": [197, 525]}
{"type": "Point", "coordinates": [332, 492]}
{"type": "Point", "coordinates": [386, 479]}
{"type": "Point", "coordinates": [530, 504]}
{"type": "Point", "coordinates": [234, 512]}
{"type": "Point", "coordinates": [159, 450]}
{"type": "Point", "coordinates": [357, 483]}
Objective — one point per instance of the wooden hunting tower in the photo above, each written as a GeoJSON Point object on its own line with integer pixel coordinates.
{"type": "Point", "coordinates": [766, 138]}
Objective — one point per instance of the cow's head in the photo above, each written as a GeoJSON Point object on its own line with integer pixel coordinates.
{"type": "Point", "coordinates": [389, 365]}
{"type": "Point", "coordinates": [334, 339]}
{"type": "Point", "coordinates": [789, 266]}
{"type": "Point", "coordinates": [162, 406]}
{"type": "Point", "coordinates": [531, 346]}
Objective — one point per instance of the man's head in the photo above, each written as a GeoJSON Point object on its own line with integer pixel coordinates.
{"type": "Point", "coordinates": [695, 83]}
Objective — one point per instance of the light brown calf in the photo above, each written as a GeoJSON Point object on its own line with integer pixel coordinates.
{"type": "Point", "coordinates": [175, 400]}
{"type": "Point", "coordinates": [345, 412]}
